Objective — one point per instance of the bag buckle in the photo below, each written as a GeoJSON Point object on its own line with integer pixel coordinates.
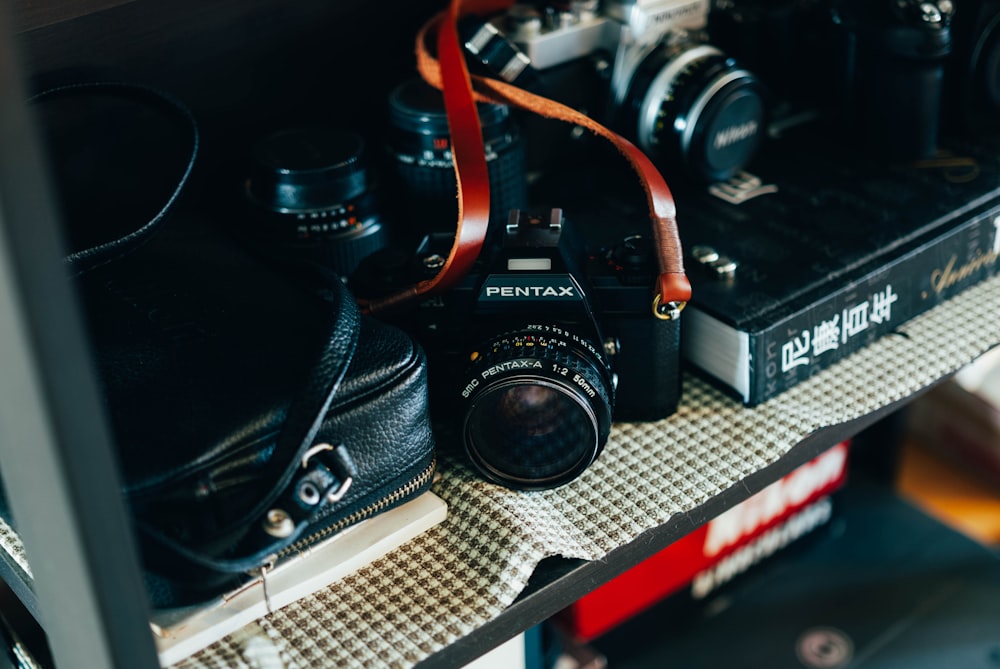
{"type": "Point", "coordinates": [344, 472]}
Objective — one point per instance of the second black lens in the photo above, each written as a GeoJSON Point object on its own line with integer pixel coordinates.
{"type": "Point", "coordinates": [419, 147]}
{"type": "Point", "coordinates": [313, 197]}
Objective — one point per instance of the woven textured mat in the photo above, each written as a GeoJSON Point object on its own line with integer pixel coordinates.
{"type": "Point", "coordinates": [462, 573]}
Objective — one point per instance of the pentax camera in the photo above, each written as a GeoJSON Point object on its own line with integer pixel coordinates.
{"type": "Point", "coordinates": [541, 346]}
{"type": "Point", "coordinates": [644, 68]}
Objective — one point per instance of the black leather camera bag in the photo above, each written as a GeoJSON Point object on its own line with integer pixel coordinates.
{"type": "Point", "coordinates": [254, 413]}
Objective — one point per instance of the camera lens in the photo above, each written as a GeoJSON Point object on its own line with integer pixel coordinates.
{"type": "Point", "coordinates": [420, 150]}
{"type": "Point", "coordinates": [313, 196]}
{"type": "Point", "coordinates": [691, 102]}
{"type": "Point", "coordinates": [538, 408]}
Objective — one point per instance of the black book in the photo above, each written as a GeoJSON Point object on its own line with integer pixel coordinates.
{"type": "Point", "coordinates": [816, 254]}
{"type": "Point", "coordinates": [821, 251]}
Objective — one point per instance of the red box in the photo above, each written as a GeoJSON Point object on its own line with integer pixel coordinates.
{"type": "Point", "coordinates": [718, 550]}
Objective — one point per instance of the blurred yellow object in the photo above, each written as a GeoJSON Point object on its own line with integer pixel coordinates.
{"type": "Point", "coordinates": [949, 492]}
{"type": "Point", "coordinates": [950, 459]}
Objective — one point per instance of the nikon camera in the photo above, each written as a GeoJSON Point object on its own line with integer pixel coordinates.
{"type": "Point", "coordinates": [643, 68]}
{"type": "Point", "coordinates": [540, 346]}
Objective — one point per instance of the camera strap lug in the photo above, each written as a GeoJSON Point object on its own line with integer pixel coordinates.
{"type": "Point", "coordinates": [667, 311]}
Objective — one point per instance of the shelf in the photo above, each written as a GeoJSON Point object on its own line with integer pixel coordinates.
{"type": "Point", "coordinates": [504, 561]}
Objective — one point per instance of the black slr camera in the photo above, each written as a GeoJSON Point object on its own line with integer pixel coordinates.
{"type": "Point", "coordinates": [894, 75]}
{"type": "Point", "coordinates": [972, 79]}
{"type": "Point", "coordinates": [644, 68]}
{"type": "Point", "coordinates": [535, 351]}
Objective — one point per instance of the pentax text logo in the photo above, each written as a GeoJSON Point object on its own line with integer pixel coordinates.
{"type": "Point", "coordinates": [530, 291]}
{"type": "Point", "coordinates": [504, 287]}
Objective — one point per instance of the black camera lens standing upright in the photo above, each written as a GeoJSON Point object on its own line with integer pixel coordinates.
{"type": "Point", "coordinates": [419, 149]}
{"type": "Point", "coordinates": [897, 77]}
{"type": "Point", "coordinates": [312, 197]}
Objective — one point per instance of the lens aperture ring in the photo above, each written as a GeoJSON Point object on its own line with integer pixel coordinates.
{"type": "Point", "coordinates": [435, 152]}
{"type": "Point", "coordinates": [553, 344]}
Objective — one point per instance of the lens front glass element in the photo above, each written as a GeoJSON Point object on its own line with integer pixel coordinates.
{"type": "Point", "coordinates": [531, 431]}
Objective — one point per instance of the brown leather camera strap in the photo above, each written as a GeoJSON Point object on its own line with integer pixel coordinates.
{"type": "Point", "coordinates": [470, 168]}
{"type": "Point", "coordinates": [450, 74]}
